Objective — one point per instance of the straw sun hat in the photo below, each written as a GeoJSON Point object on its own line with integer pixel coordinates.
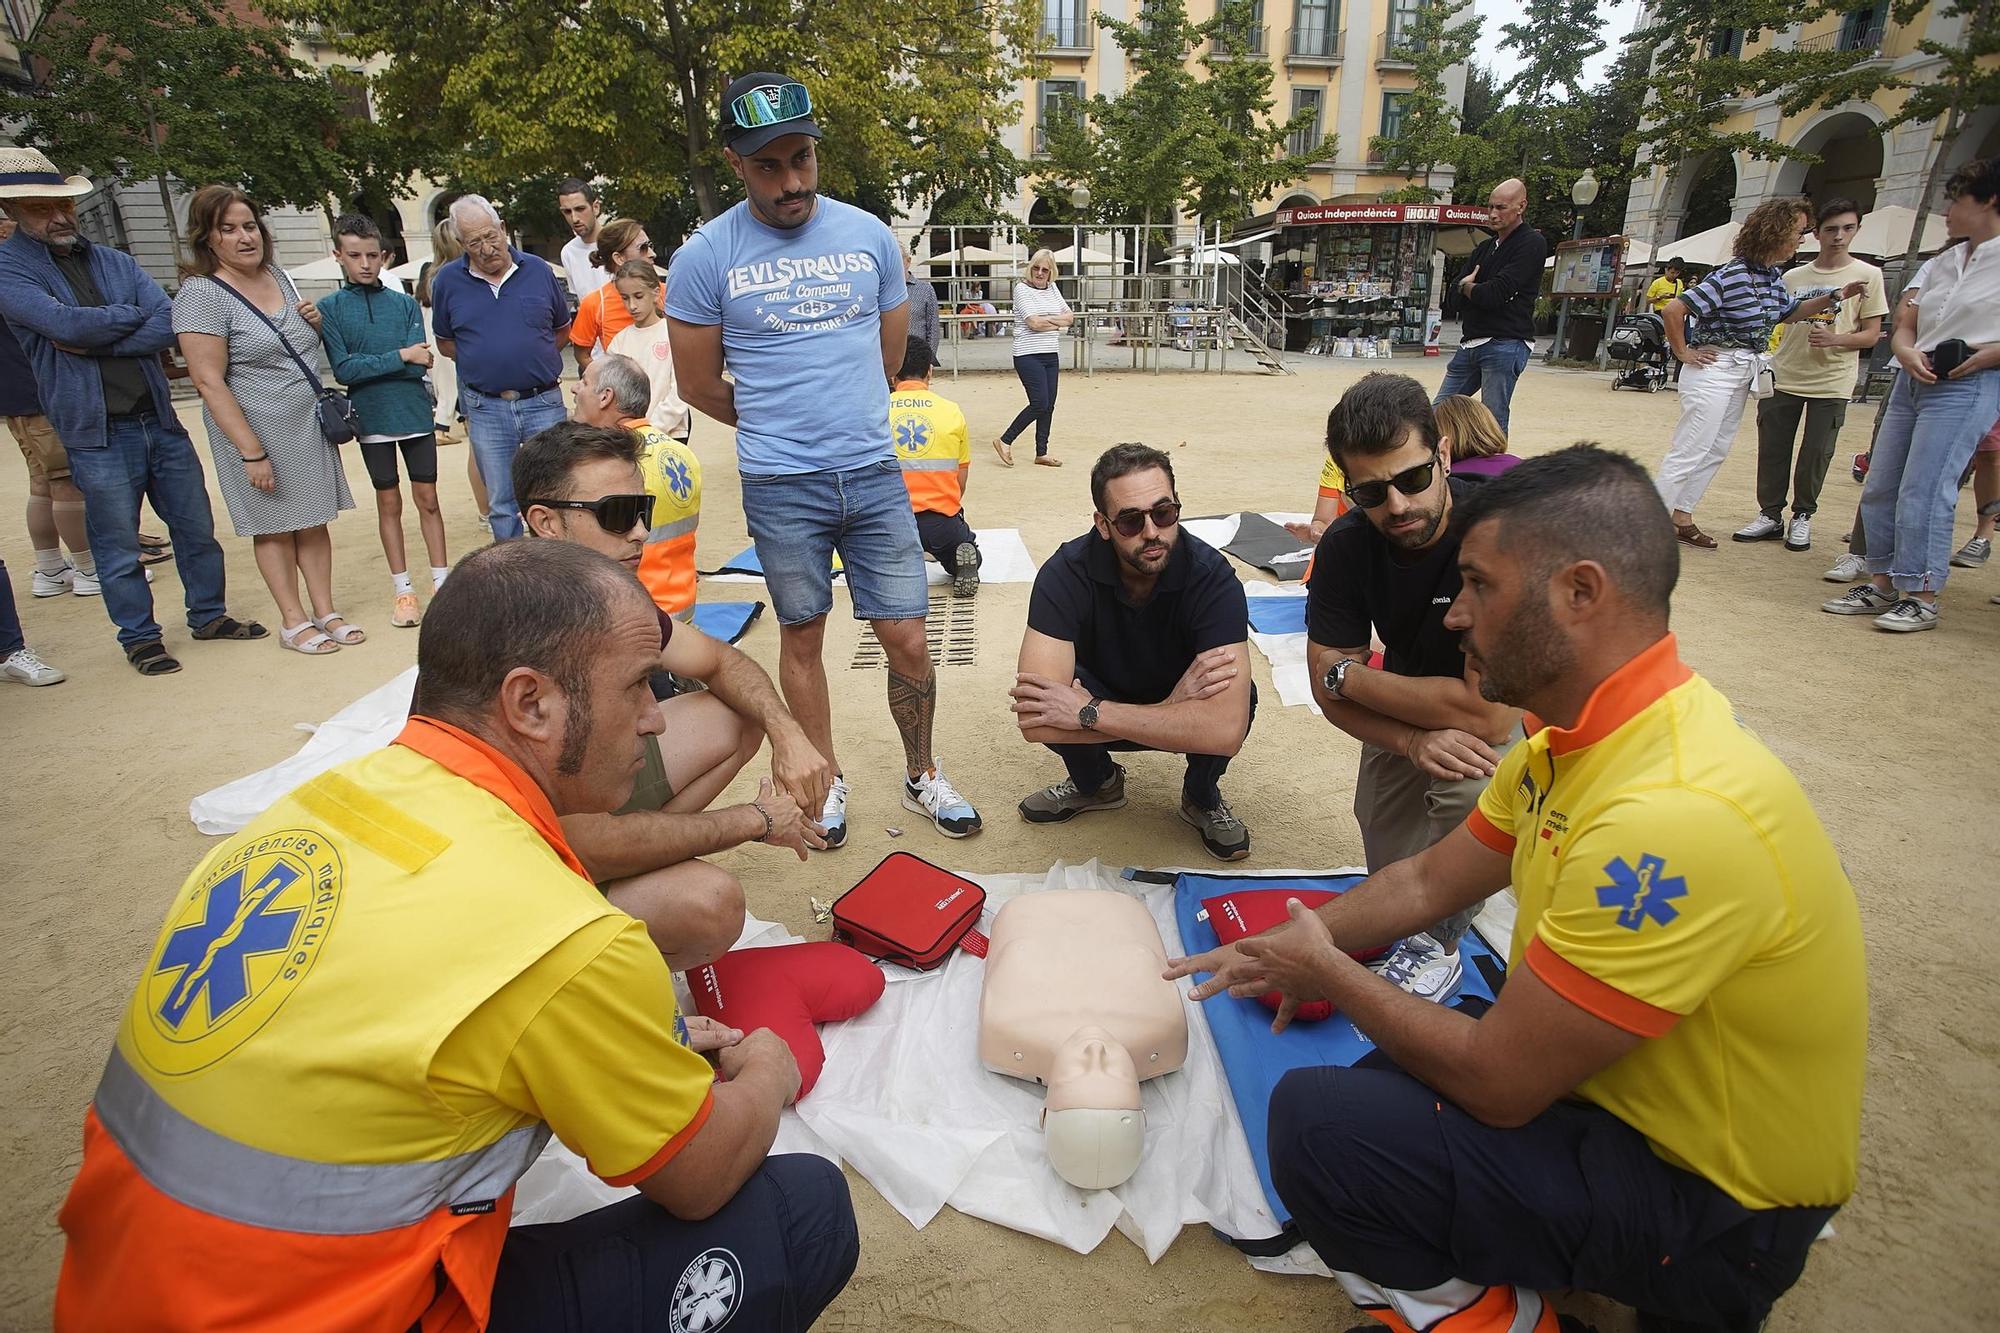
{"type": "Point", "coordinates": [26, 174]}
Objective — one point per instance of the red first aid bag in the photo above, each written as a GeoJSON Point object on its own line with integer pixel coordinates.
{"type": "Point", "coordinates": [788, 988]}
{"type": "Point", "coordinates": [911, 912]}
{"type": "Point", "coordinates": [1233, 916]}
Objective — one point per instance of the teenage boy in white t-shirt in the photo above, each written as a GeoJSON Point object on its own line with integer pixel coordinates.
{"type": "Point", "coordinates": [1814, 367]}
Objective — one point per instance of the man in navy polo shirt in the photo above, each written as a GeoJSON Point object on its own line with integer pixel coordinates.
{"type": "Point", "coordinates": [502, 317]}
{"type": "Point", "coordinates": [1138, 639]}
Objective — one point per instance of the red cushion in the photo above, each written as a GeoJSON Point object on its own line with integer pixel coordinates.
{"type": "Point", "coordinates": [1250, 911]}
{"type": "Point", "coordinates": [788, 988]}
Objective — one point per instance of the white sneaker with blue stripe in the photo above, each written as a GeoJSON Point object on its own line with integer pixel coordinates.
{"type": "Point", "coordinates": [933, 795]}
{"type": "Point", "coordinates": [833, 815]}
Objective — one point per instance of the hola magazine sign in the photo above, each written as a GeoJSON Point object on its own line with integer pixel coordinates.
{"type": "Point", "coordinates": [1448, 215]}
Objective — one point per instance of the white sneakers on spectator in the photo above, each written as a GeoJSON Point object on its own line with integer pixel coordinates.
{"type": "Point", "coordinates": [54, 585]}
{"type": "Point", "coordinates": [1762, 528]}
{"type": "Point", "coordinates": [1907, 616]}
{"type": "Point", "coordinates": [29, 669]}
{"type": "Point", "coordinates": [1847, 569]}
{"type": "Point", "coordinates": [1798, 533]}
{"type": "Point", "coordinates": [1861, 600]}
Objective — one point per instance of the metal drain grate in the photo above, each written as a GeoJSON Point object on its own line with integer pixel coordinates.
{"type": "Point", "coordinates": [951, 630]}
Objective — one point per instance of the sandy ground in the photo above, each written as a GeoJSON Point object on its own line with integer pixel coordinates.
{"type": "Point", "coordinates": [96, 836]}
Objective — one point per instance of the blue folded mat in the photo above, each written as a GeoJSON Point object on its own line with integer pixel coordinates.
{"type": "Point", "coordinates": [727, 621]}
{"type": "Point", "coordinates": [1253, 1060]}
{"type": "Point", "coordinates": [1278, 615]}
{"type": "Point", "coordinates": [746, 562]}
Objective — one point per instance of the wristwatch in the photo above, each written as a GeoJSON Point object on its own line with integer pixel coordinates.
{"type": "Point", "coordinates": [1335, 679]}
{"type": "Point", "coordinates": [1086, 716]}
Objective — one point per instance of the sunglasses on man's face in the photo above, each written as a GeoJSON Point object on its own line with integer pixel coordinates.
{"type": "Point", "coordinates": [1132, 522]}
{"type": "Point", "coordinates": [1410, 481]}
{"type": "Point", "coordinates": [771, 104]}
{"type": "Point", "coordinates": [616, 514]}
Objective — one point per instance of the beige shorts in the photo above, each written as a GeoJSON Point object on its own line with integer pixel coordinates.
{"type": "Point", "coordinates": [47, 461]}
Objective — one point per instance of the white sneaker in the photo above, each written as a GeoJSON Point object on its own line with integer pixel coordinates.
{"type": "Point", "coordinates": [54, 585]}
{"type": "Point", "coordinates": [86, 585]}
{"type": "Point", "coordinates": [833, 815]}
{"type": "Point", "coordinates": [1908, 616]}
{"type": "Point", "coordinates": [1424, 968]}
{"type": "Point", "coordinates": [1849, 568]}
{"type": "Point", "coordinates": [1762, 528]}
{"type": "Point", "coordinates": [933, 795]}
{"type": "Point", "coordinates": [29, 669]}
{"type": "Point", "coordinates": [1798, 537]}
{"type": "Point", "coordinates": [1861, 600]}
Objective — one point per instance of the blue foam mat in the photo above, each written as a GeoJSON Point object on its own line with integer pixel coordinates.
{"type": "Point", "coordinates": [1278, 615]}
{"type": "Point", "coordinates": [1253, 1059]}
{"type": "Point", "coordinates": [746, 562]}
{"type": "Point", "coordinates": [727, 621]}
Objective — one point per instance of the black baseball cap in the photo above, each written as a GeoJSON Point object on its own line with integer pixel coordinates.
{"type": "Point", "coordinates": [757, 108]}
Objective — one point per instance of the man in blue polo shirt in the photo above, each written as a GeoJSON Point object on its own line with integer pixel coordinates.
{"type": "Point", "coordinates": [803, 298]}
{"type": "Point", "coordinates": [502, 317]}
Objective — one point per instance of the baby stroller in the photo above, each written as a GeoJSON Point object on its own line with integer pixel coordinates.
{"type": "Point", "coordinates": [1640, 341]}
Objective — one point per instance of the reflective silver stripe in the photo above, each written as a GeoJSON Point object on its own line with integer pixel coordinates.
{"type": "Point", "coordinates": [680, 527]}
{"type": "Point", "coordinates": [198, 1167]}
{"type": "Point", "coordinates": [930, 465]}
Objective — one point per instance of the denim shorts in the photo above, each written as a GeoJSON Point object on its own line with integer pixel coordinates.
{"type": "Point", "coordinates": [800, 520]}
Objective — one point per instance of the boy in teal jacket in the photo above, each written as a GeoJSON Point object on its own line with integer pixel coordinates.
{"type": "Point", "coordinates": [374, 338]}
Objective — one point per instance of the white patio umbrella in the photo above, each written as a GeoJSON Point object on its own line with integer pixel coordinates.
{"type": "Point", "coordinates": [1711, 247]}
{"type": "Point", "coordinates": [1886, 231]}
{"type": "Point", "coordinates": [1071, 256]}
{"type": "Point", "coordinates": [1202, 256]}
{"type": "Point", "coordinates": [965, 256]}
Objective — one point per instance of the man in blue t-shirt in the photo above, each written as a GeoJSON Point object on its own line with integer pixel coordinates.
{"type": "Point", "coordinates": [802, 298]}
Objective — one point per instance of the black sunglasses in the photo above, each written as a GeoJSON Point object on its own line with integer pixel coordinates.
{"type": "Point", "coordinates": [1132, 522]}
{"type": "Point", "coordinates": [1410, 481]}
{"type": "Point", "coordinates": [616, 514]}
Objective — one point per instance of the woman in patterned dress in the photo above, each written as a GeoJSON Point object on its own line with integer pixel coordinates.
{"type": "Point", "coordinates": [282, 481]}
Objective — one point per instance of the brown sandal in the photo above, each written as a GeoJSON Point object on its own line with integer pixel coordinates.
{"type": "Point", "coordinates": [1005, 450]}
{"type": "Point", "coordinates": [1047, 460]}
{"type": "Point", "coordinates": [1690, 535]}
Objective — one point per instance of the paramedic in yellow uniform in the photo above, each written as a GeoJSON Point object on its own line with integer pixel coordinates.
{"type": "Point", "coordinates": [929, 434]}
{"type": "Point", "coordinates": [1663, 1105]}
{"type": "Point", "coordinates": [368, 1012]}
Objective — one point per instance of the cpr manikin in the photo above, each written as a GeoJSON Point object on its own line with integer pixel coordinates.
{"type": "Point", "coordinates": [1074, 1000]}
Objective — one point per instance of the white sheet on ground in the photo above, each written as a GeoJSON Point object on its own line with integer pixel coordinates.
{"type": "Point", "coordinates": [369, 723]}
{"type": "Point", "coordinates": [1285, 652]}
{"type": "Point", "coordinates": [905, 1101]}
{"type": "Point", "coordinates": [1003, 558]}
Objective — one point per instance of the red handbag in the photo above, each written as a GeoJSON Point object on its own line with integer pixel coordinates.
{"type": "Point", "coordinates": [908, 911]}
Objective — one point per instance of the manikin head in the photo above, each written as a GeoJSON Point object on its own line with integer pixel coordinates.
{"type": "Point", "coordinates": [1091, 1119]}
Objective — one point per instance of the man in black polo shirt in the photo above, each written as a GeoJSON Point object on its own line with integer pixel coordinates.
{"type": "Point", "coordinates": [1429, 739]}
{"type": "Point", "coordinates": [1498, 294]}
{"type": "Point", "coordinates": [1137, 640]}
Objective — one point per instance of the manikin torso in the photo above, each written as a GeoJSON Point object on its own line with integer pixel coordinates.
{"type": "Point", "coordinates": [1074, 1000]}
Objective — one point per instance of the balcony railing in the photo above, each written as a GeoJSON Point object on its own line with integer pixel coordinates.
{"type": "Point", "coordinates": [1399, 49]}
{"type": "Point", "coordinates": [1068, 34]}
{"type": "Point", "coordinates": [1256, 42]}
{"type": "Point", "coordinates": [1844, 39]}
{"type": "Point", "coordinates": [1302, 143]}
{"type": "Point", "coordinates": [1307, 44]}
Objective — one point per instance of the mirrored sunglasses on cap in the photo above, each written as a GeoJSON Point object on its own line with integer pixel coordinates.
{"type": "Point", "coordinates": [616, 514]}
{"type": "Point", "coordinates": [1132, 522]}
{"type": "Point", "coordinates": [770, 104]}
{"type": "Point", "coordinates": [1410, 481]}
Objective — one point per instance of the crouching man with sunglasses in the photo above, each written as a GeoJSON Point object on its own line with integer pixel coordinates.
{"type": "Point", "coordinates": [1137, 639]}
{"type": "Point", "coordinates": [1429, 739]}
{"type": "Point", "coordinates": [580, 483]}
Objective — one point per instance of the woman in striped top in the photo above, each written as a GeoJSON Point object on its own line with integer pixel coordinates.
{"type": "Point", "coordinates": [1735, 307]}
{"type": "Point", "coordinates": [1040, 316]}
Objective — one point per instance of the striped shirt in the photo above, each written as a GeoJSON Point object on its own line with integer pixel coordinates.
{"type": "Point", "coordinates": [1030, 300]}
{"type": "Point", "coordinates": [1738, 305]}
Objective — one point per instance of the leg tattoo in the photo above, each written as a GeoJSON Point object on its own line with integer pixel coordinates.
{"type": "Point", "coordinates": [913, 704]}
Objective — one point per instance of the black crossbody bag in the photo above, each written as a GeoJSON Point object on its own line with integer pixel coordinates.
{"type": "Point", "coordinates": [338, 421]}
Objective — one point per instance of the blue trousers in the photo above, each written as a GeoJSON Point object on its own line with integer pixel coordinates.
{"type": "Point", "coordinates": [1928, 435]}
{"type": "Point", "coordinates": [11, 639]}
{"type": "Point", "coordinates": [1391, 1182]}
{"type": "Point", "coordinates": [497, 428]}
{"type": "Point", "coordinates": [1489, 370]}
{"type": "Point", "coordinates": [1039, 372]}
{"type": "Point", "coordinates": [148, 457]}
{"type": "Point", "coordinates": [771, 1260]}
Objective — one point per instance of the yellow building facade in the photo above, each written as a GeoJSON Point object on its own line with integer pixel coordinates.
{"type": "Point", "coordinates": [1858, 160]}
{"type": "Point", "coordinates": [1346, 60]}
